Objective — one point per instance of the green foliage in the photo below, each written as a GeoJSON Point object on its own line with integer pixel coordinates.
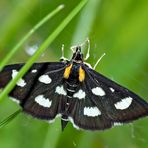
{"type": "Point", "coordinates": [118, 28]}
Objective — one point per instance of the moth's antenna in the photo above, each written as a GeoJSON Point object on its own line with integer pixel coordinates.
{"type": "Point", "coordinates": [99, 60]}
{"type": "Point", "coordinates": [73, 48]}
{"type": "Point", "coordinates": [88, 50]}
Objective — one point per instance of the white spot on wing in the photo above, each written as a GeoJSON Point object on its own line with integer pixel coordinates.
{"type": "Point", "coordinates": [72, 121]}
{"type": "Point", "coordinates": [98, 91]}
{"type": "Point", "coordinates": [124, 103]}
{"type": "Point", "coordinates": [34, 71]}
{"type": "Point", "coordinates": [112, 89]}
{"type": "Point", "coordinates": [45, 79]}
{"type": "Point", "coordinates": [60, 90]}
{"type": "Point", "coordinates": [91, 111]}
{"type": "Point", "coordinates": [21, 82]}
{"type": "Point", "coordinates": [43, 101]}
{"type": "Point", "coordinates": [80, 94]}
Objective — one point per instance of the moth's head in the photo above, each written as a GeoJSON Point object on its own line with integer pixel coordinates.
{"type": "Point", "coordinates": [77, 55]}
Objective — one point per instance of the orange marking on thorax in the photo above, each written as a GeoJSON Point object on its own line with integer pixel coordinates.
{"type": "Point", "coordinates": [81, 74]}
{"type": "Point", "coordinates": [67, 71]}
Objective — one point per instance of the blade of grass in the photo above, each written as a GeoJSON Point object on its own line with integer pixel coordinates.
{"type": "Point", "coordinates": [85, 22]}
{"type": "Point", "coordinates": [41, 49]}
{"type": "Point", "coordinates": [9, 118]}
{"type": "Point", "coordinates": [37, 26]}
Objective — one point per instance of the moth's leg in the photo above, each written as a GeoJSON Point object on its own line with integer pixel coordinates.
{"type": "Point", "coordinates": [62, 57]}
{"type": "Point", "coordinates": [99, 60]}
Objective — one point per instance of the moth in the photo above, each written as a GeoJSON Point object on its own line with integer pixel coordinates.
{"type": "Point", "coordinates": [73, 90]}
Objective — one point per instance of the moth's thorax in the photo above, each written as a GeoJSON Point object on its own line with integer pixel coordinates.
{"type": "Point", "coordinates": [74, 72]}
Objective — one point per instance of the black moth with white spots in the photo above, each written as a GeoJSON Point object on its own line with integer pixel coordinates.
{"type": "Point", "coordinates": [74, 91]}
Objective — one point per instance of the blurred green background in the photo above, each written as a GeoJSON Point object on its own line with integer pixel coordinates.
{"type": "Point", "coordinates": [118, 28]}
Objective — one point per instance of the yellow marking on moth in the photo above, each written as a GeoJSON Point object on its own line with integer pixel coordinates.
{"type": "Point", "coordinates": [81, 74]}
{"type": "Point", "coordinates": [67, 71]}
